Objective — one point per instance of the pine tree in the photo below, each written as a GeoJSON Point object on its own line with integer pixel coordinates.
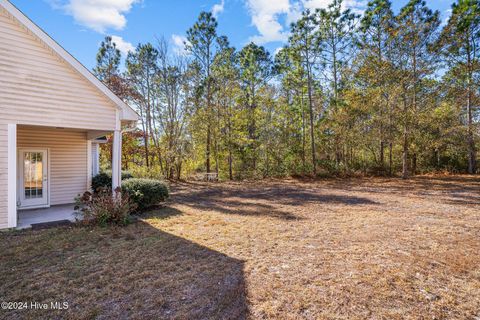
{"type": "Point", "coordinates": [142, 74]}
{"type": "Point", "coordinates": [305, 44]}
{"type": "Point", "coordinates": [255, 69]}
{"type": "Point", "coordinates": [417, 31]}
{"type": "Point", "coordinates": [201, 44]}
{"type": "Point", "coordinates": [377, 72]}
{"type": "Point", "coordinates": [459, 45]}
{"type": "Point", "coordinates": [337, 33]}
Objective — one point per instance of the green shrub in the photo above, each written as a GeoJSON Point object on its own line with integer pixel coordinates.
{"type": "Point", "coordinates": [145, 192]}
{"type": "Point", "coordinates": [101, 180]}
{"type": "Point", "coordinates": [104, 208]}
{"type": "Point", "coordinates": [104, 179]}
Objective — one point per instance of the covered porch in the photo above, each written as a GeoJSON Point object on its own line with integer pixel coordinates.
{"type": "Point", "coordinates": [53, 166]}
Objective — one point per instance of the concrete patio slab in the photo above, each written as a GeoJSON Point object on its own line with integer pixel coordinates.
{"type": "Point", "coordinates": [55, 213]}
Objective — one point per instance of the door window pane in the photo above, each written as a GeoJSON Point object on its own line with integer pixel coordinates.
{"type": "Point", "coordinates": [33, 175]}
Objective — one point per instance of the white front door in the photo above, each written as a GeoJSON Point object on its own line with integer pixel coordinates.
{"type": "Point", "coordinates": [33, 178]}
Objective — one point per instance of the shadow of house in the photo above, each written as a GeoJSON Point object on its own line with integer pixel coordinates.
{"type": "Point", "coordinates": [132, 272]}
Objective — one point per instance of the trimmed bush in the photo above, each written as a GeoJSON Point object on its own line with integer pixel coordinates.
{"type": "Point", "coordinates": [104, 179]}
{"type": "Point", "coordinates": [101, 180]}
{"type": "Point", "coordinates": [145, 192]}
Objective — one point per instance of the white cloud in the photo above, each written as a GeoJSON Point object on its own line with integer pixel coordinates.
{"type": "Point", "coordinates": [265, 17]}
{"type": "Point", "coordinates": [314, 4]}
{"type": "Point", "coordinates": [446, 16]}
{"type": "Point", "coordinates": [357, 6]}
{"type": "Point", "coordinates": [276, 51]}
{"type": "Point", "coordinates": [218, 8]}
{"type": "Point", "coordinates": [98, 15]}
{"type": "Point", "coordinates": [123, 45]}
{"type": "Point", "coordinates": [294, 13]}
{"type": "Point", "coordinates": [179, 44]}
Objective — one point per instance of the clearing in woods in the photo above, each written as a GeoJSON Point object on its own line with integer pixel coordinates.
{"type": "Point", "coordinates": [277, 249]}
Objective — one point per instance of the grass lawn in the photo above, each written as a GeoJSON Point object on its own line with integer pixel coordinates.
{"type": "Point", "coordinates": [278, 249]}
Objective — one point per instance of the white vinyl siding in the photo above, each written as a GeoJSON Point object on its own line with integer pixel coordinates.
{"type": "Point", "coordinates": [67, 156]}
{"type": "Point", "coordinates": [39, 88]}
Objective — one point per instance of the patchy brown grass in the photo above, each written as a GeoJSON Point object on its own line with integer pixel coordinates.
{"type": "Point", "coordinates": [278, 249]}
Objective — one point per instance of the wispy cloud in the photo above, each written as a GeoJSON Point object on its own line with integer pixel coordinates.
{"type": "Point", "coordinates": [123, 45]}
{"type": "Point", "coordinates": [178, 42]}
{"type": "Point", "coordinates": [218, 8]}
{"type": "Point", "coordinates": [98, 15]}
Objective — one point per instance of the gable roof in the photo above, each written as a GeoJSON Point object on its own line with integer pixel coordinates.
{"type": "Point", "coordinates": [127, 113]}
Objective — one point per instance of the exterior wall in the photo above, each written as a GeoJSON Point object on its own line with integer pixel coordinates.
{"type": "Point", "coordinates": [67, 157]}
{"type": "Point", "coordinates": [37, 87]}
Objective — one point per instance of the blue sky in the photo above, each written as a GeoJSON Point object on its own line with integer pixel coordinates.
{"type": "Point", "coordinates": [80, 25]}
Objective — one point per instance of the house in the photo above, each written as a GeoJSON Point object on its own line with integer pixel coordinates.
{"type": "Point", "coordinates": [52, 111]}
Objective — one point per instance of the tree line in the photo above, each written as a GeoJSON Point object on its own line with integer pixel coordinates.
{"type": "Point", "coordinates": [381, 93]}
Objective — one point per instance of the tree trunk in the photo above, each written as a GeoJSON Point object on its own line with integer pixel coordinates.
{"type": "Point", "coordinates": [390, 159]}
{"type": "Point", "coordinates": [145, 144]}
{"type": "Point", "coordinates": [216, 154]}
{"type": "Point", "coordinates": [208, 147]}
{"type": "Point", "coordinates": [230, 171]}
{"type": "Point", "coordinates": [304, 142]}
{"type": "Point", "coordinates": [405, 154]}
{"type": "Point", "coordinates": [310, 109]}
{"type": "Point", "coordinates": [382, 153]}
{"type": "Point", "coordinates": [414, 163]}
{"type": "Point", "coordinates": [312, 135]}
{"type": "Point", "coordinates": [472, 161]}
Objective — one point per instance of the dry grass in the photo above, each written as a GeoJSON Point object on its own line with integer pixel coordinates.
{"type": "Point", "coordinates": [333, 249]}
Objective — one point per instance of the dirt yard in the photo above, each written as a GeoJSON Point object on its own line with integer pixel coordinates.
{"type": "Point", "coordinates": [278, 249]}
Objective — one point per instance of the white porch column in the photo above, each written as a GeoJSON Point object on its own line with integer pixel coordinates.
{"type": "Point", "coordinates": [89, 164]}
{"type": "Point", "coordinates": [117, 159]}
{"type": "Point", "coordinates": [12, 175]}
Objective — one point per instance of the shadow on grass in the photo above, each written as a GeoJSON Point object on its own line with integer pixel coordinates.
{"type": "Point", "coordinates": [456, 190]}
{"type": "Point", "coordinates": [160, 212]}
{"type": "Point", "coordinates": [259, 200]}
{"type": "Point", "coordinates": [137, 271]}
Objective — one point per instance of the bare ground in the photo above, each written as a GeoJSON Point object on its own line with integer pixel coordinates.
{"type": "Point", "coordinates": [277, 249]}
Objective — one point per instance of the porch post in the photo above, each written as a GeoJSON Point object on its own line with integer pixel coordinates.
{"type": "Point", "coordinates": [12, 175]}
{"type": "Point", "coordinates": [117, 159]}
{"type": "Point", "coordinates": [89, 165]}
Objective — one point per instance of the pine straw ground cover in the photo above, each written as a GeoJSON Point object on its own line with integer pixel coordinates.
{"type": "Point", "coordinates": [277, 249]}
